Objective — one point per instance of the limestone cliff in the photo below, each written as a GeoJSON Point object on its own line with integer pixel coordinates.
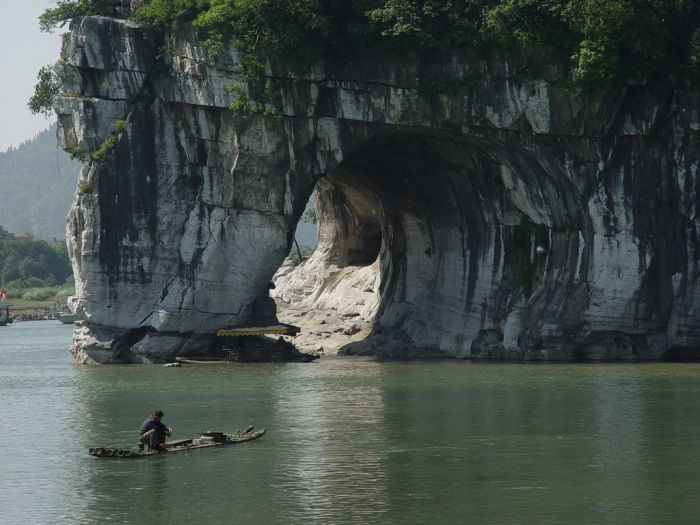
{"type": "Point", "coordinates": [469, 205]}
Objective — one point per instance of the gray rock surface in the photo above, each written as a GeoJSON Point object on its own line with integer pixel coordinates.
{"type": "Point", "coordinates": [467, 206]}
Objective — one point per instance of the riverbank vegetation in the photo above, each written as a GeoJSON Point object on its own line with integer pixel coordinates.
{"type": "Point", "coordinates": [34, 271]}
{"type": "Point", "coordinates": [606, 42]}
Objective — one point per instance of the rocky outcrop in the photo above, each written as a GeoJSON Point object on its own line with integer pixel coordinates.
{"type": "Point", "coordinates": [469, 205]}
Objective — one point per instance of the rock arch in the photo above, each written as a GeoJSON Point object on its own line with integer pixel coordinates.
{"type": "Point", "coordinates": [436, 201]}
{"type": "Point", "coordinates": [454, 223]}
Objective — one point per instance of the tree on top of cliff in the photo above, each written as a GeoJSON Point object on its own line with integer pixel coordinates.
{"type": "Point", "coordinates": [66, 10]}
{"type": "Point", "coordinates": [608, 42]}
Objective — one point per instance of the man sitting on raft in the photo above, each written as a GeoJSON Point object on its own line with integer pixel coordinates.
{"type": "Point", "coordinates": [153, 432]}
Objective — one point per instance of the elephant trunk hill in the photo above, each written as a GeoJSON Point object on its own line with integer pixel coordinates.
{"type": "Point", "coordinates": [497, 215]}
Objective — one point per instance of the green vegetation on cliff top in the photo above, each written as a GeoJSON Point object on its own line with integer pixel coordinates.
{"type": "Point", "coordinates": [607, 42]}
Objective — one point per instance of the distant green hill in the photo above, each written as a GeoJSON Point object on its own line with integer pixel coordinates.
{"type": "Point", "coordinates": [37, 182]}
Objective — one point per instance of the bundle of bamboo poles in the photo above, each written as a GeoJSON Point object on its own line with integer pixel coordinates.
{"type": "Point", "coordinates": [110, 452]}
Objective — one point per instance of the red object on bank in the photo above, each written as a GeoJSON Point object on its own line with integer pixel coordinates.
{"type": "Point", "coordinates": [3, 294]}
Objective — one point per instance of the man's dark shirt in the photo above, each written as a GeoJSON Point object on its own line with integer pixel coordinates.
{"type": "Point", "coordinates": [150, 423]}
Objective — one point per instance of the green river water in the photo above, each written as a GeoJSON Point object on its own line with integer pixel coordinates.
{"type": "Point", "coordinates": [349, 441]}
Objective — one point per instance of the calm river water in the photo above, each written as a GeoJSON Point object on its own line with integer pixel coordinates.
{"type": "Point", "coordinates": [349, 441]}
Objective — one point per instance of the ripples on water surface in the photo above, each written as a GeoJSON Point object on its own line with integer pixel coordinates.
{"type": "Point", "coordinates": [349, 441]}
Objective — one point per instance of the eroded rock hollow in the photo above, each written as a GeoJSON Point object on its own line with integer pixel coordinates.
{"type": "Point", "coordinates": [467, 207]}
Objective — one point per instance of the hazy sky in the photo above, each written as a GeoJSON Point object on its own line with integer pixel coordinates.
{"type": "Point", "coordinates": [24, 50]}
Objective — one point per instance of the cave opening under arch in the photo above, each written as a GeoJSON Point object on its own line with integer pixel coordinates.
{"type": "Point", "coordinates": [432, 241]}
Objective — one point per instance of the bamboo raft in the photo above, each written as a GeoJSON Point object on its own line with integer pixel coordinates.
{"type": "Point", "coordinates": [206, 440]}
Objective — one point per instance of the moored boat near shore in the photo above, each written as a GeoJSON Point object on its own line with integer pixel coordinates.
{"type": "Point", "coordinates": [252, 344]}
{"type": "Point", "coordinates": [72, 313]}
{"type": "Point", "coordinates": [5, 317]}
{"type": "Point", "coordinates": [69, 318]}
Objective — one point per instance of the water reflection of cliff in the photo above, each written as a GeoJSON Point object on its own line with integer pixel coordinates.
{"type": "Point", "coordinates": [353, 441]}
{"type": "Point", "coordinates": [319, 408]}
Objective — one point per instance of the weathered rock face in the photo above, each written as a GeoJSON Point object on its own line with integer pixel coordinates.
{"type": "Point", "coordinates": [465, 208]}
